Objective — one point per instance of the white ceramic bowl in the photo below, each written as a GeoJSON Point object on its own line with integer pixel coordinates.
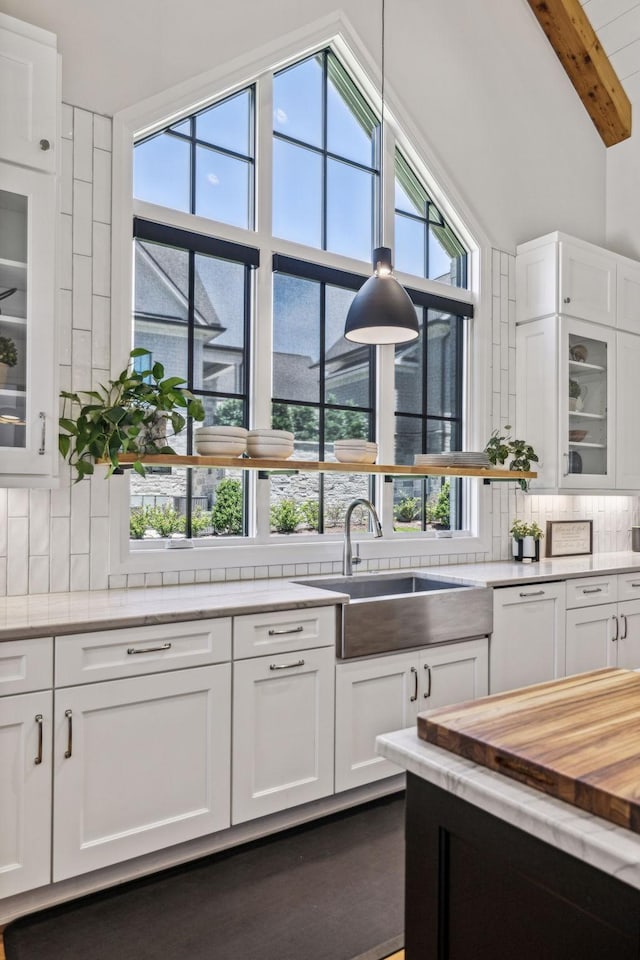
{"type": "Point", "coordinates": [355, 455]}
{"type": "Point", "coordinates": [270, 451]}
{"type": "Point", "coordinates": [229, 447]}
{"type": "Point", "coordinates": [219, 433]}
{"type": "Point", "coordinates": [355, 443]}
{"type": "Point", "coordinates": [265, 434]}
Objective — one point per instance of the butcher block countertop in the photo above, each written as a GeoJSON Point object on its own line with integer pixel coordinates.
{"type": "Point", "coordinates": [577, 739]}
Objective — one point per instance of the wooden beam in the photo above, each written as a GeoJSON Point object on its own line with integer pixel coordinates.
{"type": "Point", "coordinates": [575, 41]}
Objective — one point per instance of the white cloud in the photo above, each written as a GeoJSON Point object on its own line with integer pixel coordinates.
{"type": "Point", "coordinates": [281, 115]}
{"type": "Point", "coordinates": [213, 179]}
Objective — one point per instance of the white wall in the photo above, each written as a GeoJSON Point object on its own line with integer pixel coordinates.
{"type": "Point", "coordinates": [478, 80]}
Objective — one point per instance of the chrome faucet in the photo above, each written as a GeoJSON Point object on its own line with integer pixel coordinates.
{"type": "Point", "coordinates": [347, 557]}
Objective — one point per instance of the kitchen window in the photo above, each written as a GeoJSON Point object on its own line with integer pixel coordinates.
{"type": "Point", "coordinates": [250, 242]}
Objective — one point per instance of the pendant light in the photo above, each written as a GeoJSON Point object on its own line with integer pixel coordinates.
{"type": "Point", "coordinates": [381, 311]}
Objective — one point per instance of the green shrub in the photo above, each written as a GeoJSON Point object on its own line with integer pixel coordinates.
{"type": "Point", "coordinates": [166, 520]}
{"type": "Point", "coordinates": [407, 509]}
{"type": "Point", "coordinates": [438, 506]}
{"type": "Point", "coordinates": [285, 516]}
{"type": "Point", "coordinates": [310, 511]}
{"type": "Point", "coordinates": [226, 516]}
{"type": "Point", "coordinates": [201, 522]}
{"type": "Point", "coordinates": [139, 522]}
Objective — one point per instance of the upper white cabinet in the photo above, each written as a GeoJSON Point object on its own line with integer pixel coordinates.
{"type": "Point", "coordinates": [29, 101]}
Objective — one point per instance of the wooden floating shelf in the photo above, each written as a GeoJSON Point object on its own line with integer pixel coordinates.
{"type": "Point", "coordinates": [315, 466]}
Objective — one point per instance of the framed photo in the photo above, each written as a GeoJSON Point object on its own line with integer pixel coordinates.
{"type": "Point", "coordinates": [569, 538]}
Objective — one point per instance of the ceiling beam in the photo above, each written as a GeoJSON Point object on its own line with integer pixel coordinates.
{"type": "Point", "coordinates": [575, 41]}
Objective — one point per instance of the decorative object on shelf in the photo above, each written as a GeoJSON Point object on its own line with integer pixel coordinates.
{"type": "Point", "coordinates": [575, 462]}
{"type": "Point", "coordinates": [577, 436]}
{"type": "Point", "coordinates": [221, 441]}
{"type": "Point", "coordinates": [8, 293]}
{"type": "Point", "coordinates": [574, 394]}
{"type": "Point", "coordinates": [113, 419]}
{"type": "Point", "coordinates": [8, 358]}
{"type": "Point", "coordinates": [569, 538]}
{"type": "Point", "coordinates": [502, 446]}
{"type": "Point", "coordinates": [270, 444]}
{"type": "Point", "coordinates": [438, 510]}
{"type": "Point", "coordinates": [525, 542]}
{"type": "Point", "coordinates": [382, 311]}
{"type": "Point", "coordinates": [579, 352]}
{"type": "Point", "coordinates": [355, 451]}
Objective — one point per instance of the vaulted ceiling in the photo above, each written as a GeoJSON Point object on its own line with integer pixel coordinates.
{"type": "Point", "coordinates": [617, 24]}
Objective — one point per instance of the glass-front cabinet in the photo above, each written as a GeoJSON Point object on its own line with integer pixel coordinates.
{"type": "Point", "coordinates": [587, 385]}
{"type": "Point", "coordinates": [27, 358]}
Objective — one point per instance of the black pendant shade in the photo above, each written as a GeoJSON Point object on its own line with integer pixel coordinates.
{"type": "Point", "coordinates": [381, 311]}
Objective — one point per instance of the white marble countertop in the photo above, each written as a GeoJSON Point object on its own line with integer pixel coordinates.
{"type": "Point", "coordinates": [603, 845]}
{"type": "Point", "coordinates": [506, 572]}
{"type": "Point", "coordinates": [55, 614]}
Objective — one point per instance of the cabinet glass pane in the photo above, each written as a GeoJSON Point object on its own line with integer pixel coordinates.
{"type": "Point", "coordinates": [14, 318]}
{"type": "Point", "coordinates": [587, 385]}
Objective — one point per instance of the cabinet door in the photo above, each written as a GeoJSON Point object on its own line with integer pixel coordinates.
{"type": "Point", "coordinates": [454, 672]}
{"type": "Point", "coordinates": [28, 406]}
{"type": "Point", "coordinates": [28, 105]}
{"type": "Point", "coordinates": [587, 405]}
{"type": "Point", "coordinates": [25, 792]}
{"type": "Point", "coordinates": [628, 275]}
{"type": "Point", "coordinates": [140, 764]}
{"type": "Point", "coordinates": [587, 283]}
{"type": "Point", "coordinates": [627, 406]}
{"type": "Point", "coordinates": [591, 638]}
{"type": "Point", "coordinates": [537, 396]}
{"type": "Point", "coordinates": [629, 640]}
{"type": "Point", "coordinates": [283, 723]}
{"type": "Point", "coordinates": [528, 640]}
{"type": "Point", "coordinates": [372, 697]}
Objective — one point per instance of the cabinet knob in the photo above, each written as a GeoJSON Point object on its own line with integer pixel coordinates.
{"type": "Point", "coordinates": [567, 300]}
{"type": "Point", "coordinates": [45, 144]}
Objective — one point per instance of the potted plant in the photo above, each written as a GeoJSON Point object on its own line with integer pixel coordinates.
{"type": "Point", "coordinates": [574, 394]}
{"type": "Point", "coordinates": [438, 509]}
{"type": "Point", "coordinates": [122, 416]}
{"type": "Point", "coordinates": [8, 358]}
{"type": "Point", "coordinates": [502, 446]}
{"type": "Point", "coordinates": [525, 541]}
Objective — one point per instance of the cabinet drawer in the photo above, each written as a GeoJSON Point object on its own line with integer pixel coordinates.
{"type": "Point", "coordinates": [589, 591]}
{"type": "Point", "coordinates": [131, 651]}
{"type": "Point", "coordinates": [629, 586]}
{"type": "Point", "coordinates": [259, 634]}
{"type": "Point", "coordinates": [26, 665]}
{"type": "Point", "coordinates": [527, 593]}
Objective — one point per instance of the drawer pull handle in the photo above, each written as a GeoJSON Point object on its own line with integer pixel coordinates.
{"type": "Point", "coordinates": [635, 584]}
{"type": "Point", "coordinates": [415, 685]}
{"type": "Point", "coordinates": [534, 593]}
{"type": "Point", "coordinates": [38, 719]}
{"type": "Point", "coordinates": [286, 666]}
{"type": "Point", "coordinates": [592, 590]}
{"type": "Point", "coordinates": [283, 633]}
{"type": "Point", "coordinates": [428, 693]}
{"type": "Point", "coordinates": [68, 714]}
{"type": "Point", "coordinates": [163, 646]}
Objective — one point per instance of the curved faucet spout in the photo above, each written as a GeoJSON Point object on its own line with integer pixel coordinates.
{"type": "Point", "coordinates": [347, 556]}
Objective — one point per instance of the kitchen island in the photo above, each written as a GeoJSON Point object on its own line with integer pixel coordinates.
{"type": "Point", "coordinates": [497, 869]}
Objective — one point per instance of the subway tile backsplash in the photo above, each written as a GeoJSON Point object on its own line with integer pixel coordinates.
{"type": "Point", "coordinates": [53, 541]}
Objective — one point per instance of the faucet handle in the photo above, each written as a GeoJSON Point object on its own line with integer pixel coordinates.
{"type": "Point", "coordinates": [356, 558]}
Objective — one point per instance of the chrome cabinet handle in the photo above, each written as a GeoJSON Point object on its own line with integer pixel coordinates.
{"type": "Point", "coordinates": [69, 715]}
{"type": "Point", "coordinates": [623, 617]}
{"type": "Point", "coordinates": [535, 593]}
{"type": "Point", "coordinates": [162, 646]}
{"type": "Point", "coordinates": [286, 666]}
{"type": "Point", "coordinates": [428, 693]}
{"type": "Point", "coordinates": [284, 633]}
{"type": "Point", "coordinates": [43, 432]}
{"type": "Point", "coordinates": [617, 634]}
{"type": "Point", "coordinates": [415, 685]}
{"type": "Point", "coordinates": [38, 719]}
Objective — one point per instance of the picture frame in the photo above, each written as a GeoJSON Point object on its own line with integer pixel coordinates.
{"type": "Point", "coordinates": [569, 538]}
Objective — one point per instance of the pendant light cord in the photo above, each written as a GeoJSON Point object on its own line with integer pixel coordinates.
{"type": "Point", "coordinates": [382, 144]}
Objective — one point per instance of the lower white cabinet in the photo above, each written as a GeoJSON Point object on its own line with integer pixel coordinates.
{"type": "Point", "coordinates": [25, 791]}
{"type": "Point", "coordinates": [139, 764]}
{"type": "Point", "coordinates": [528, 640]}
{"type": "Point", "coordinates": [386, 693]}
{"type": "Point", "coordinates": [283, 724]}
{"type": "Point", "coordinates": [607, 635]}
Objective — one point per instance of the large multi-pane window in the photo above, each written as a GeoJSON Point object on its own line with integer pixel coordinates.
{"type": "Point", "coordinates": [200, 308]}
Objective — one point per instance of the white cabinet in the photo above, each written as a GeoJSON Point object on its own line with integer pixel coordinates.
{"type": "Point", "coordinates": [559, 274]}
{"type": "Point", "coordinates": [628, 298]}
{"type": "Point", "coordinates": [627, 407]}
{"type": "Point", "coordinates": [29, 101]}
{"type": "Point", "coordinates": [386, 693]}
{"type": "Point", "coordinates": [602, 634]}
{"type": "Point", "coordinates": [25, 765]}
{"type": "Point", "coordinates": [591, 638]}
{"type": "Point", "coordinates": [283, 727]}
{"type": "Point", "coordinates": [528, 640]}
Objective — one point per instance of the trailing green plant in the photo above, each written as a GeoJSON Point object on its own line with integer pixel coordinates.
{"type": "Point", "coordinates": [285, 516]}
{"type": "Point", "coordinates": [166, 520]}
{"type": "Point", "coordinates": [139, 522]}
{"type": "Point", "coordinates": [501, 446]}
{"type": "Point", "coordinates": [407, 509]}
{"type": "Point", "coordinates": [101, 424]}
{"type": "Point", "coordinates": [226, 515]}
{"type": "Point", "coordinates": [8, 352]}
{"type": "Point", "coordinates": [438, 507]}
{"type": "Point", "coordinates": [310, 512]}
{"type": "Point", "coordinates": [519, 530]}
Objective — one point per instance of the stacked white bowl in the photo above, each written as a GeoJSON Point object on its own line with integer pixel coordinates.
{"type": "Point", "coordinates": [270, 444]}
{"type": "Point", "coordinates": [220, 441]}
{"type": "Point", "coordinates": [355, 451]}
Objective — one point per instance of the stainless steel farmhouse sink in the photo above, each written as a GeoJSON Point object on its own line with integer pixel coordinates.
{"type": "Point", "coordinates": [400, 611]}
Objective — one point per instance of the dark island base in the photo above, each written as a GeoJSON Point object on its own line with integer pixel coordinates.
{"type": "Point", "coordinates": [480, 889]}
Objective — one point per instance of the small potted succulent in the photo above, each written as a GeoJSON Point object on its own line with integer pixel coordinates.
{"type": "Point", "coordinates": [525, 541]}
{"type": "Point", "coordinates": [574, 394]}
{"type": "Point", "coordinates": [8, 358]}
